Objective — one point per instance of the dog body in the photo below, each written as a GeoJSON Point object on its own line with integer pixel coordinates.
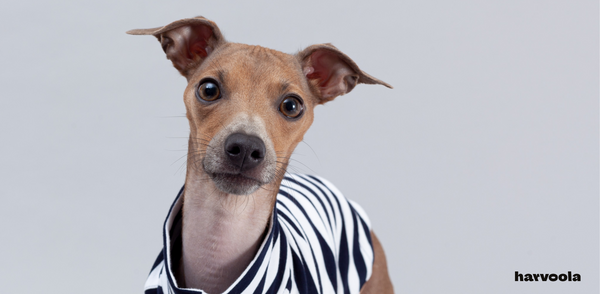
{"type": "Point", "coordinates": [248, 107]}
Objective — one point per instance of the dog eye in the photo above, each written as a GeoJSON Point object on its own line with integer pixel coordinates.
{"type": "Point", "coordinates": [208, 91]}
{"type": "Point", "coordinates": [291, 107]}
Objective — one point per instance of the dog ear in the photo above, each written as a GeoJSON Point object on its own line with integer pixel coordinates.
{"type": "Point", "coordinates": [187, 42]}
{"type": "Point", "coordinates": [332, 72]}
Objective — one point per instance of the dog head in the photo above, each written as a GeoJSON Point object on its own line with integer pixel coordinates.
{"type": "Point", "coordinates": [248, 106]}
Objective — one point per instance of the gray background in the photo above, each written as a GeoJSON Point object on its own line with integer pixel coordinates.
{"type": "Point", "coordinates": [482, 161]}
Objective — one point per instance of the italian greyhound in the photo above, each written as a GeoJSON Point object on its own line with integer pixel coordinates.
{"type": "Point", "coordinates": [248, 107]}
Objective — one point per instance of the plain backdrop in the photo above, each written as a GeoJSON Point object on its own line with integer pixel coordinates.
{"type": "Point", "coordinates": [482, 161]}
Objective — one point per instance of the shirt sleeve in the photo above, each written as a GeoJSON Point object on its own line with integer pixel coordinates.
{"type": "Point", "coordinates": [340, 227]}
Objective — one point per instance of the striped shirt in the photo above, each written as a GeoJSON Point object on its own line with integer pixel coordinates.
{"type": "Point", "coordinates": [317, 242]}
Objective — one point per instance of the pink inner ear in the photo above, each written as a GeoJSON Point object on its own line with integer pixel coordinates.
{"type": "Point", "coordinates": [334, 76]}
{"type": "Point", "coordinates": [188, 44]}
{"type": "Point", "coordinates": [322, 63]}
{"type": "Point", "coordinates": [199, 41]}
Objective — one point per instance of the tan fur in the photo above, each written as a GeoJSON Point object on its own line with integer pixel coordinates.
{"type": "Point", "coordinates": [380, 282]}
{"type": "Point", "coordinates": [219, 228]}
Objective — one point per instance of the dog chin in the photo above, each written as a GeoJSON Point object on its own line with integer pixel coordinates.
{"type": "Point", "coordinates": [236, 184]}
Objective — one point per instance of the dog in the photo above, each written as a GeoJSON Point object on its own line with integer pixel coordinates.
{"type": "Point", "coordinates": [242, 224]}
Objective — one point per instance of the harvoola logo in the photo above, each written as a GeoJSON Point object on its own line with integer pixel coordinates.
{"type": "Point", "coordinates": [547, 277]}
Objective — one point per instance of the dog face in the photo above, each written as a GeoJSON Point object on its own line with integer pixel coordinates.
{"type": "Point", "coordinates": [249, 106]}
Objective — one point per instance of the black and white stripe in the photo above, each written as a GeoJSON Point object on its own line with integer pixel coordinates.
{"type": "Point", "coordinates": [318, 242]}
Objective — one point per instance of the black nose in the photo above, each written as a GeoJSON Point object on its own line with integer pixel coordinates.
{"type": "Point", "coordinates": [243, 151]}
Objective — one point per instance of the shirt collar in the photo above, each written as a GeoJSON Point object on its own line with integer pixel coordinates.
{"type": "Point", "coordinates": [172, 231]}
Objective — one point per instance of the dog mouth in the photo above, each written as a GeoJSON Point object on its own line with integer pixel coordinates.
{"type": "Point", "coordinates": [235, 183]}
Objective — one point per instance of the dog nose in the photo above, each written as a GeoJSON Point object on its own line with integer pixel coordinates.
{"type": "Point", "coordinates": [244, 151]}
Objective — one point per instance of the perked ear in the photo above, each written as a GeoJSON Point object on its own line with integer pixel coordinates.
{"type": "Point", "coordinates": [332, 72]}
{"type": "Point", "coordinates": [187, 42]}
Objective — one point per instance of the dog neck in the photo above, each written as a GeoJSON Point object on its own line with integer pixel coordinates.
{"type": "Point", "coordinates": [221, 232]}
